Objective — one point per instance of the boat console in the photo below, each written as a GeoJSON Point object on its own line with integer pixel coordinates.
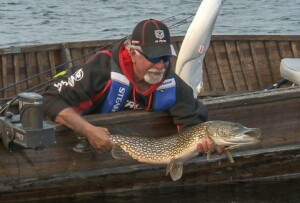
{"type": "Point", "coordinates": [290, 69]}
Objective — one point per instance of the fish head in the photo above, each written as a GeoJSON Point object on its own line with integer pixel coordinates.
{"type": "Point", "coordinates": [232, 135]}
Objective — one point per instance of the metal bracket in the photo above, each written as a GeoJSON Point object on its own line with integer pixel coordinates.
{"type": "Point", "coordinates": [11, 50]}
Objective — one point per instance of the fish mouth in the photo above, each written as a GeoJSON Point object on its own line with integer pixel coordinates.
{"type": "Point", "coordinates": [246, 136]}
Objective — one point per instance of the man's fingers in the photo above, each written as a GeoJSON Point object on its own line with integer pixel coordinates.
{"type": "Point", "coordinates": [204, 146]}
{"type": "Point", "coordinates": [219, 150]}
{"type": "Point", "coordinates": [200, 148]}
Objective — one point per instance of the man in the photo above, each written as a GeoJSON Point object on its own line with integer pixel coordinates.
{"type": "Point", "coordinates": [135, 74]}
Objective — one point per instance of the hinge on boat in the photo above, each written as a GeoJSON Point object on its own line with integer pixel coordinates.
{"type": "Point", "coordinates": [11, 50]}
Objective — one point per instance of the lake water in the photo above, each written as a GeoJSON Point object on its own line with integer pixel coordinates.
{"type": "Point", "coordinates": [26, 22]}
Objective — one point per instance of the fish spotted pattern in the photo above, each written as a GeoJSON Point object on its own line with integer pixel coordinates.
{"type": "Point", "coordinates": [173, 150]}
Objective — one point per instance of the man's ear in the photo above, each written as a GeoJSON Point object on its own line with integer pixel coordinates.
{"type": "Point", "coordinates": [132, 54]}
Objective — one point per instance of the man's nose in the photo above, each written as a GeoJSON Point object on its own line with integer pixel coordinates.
{"type": "Point", "coordinates": [160, 64]}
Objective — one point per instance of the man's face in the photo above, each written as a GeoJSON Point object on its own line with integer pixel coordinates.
{"type": "Point", "coordinates": [151, 70]}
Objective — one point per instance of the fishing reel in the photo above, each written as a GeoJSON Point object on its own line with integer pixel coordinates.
{"type": "Point", "coordinates": [26, 129]}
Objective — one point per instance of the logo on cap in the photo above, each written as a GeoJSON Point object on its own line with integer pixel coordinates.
{"type": "Point", "coordinates": [159, 34]}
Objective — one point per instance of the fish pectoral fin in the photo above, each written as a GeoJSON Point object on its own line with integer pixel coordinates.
{"type": "Point", "coordinates": [170, 166]}
{"type": "Point", "coordinates": [175, 169]}
{"type": "Point", "coordinates": [210, 151]}
{"type": "Point", "coordinates": [228, 154]}
{"type": "Point", "coordinates": [118, 153]}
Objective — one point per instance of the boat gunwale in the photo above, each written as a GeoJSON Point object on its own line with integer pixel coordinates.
{"type": "Point", "coordinates": [228, 101]}
{"type": "Point", "coordinates": [99, 43]}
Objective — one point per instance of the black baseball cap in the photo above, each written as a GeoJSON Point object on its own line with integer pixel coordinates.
{"type": "Point", "coordinates": [153, 37]}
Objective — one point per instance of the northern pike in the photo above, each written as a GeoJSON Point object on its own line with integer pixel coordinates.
{"type": "Point", "coordinates": [173, 150]}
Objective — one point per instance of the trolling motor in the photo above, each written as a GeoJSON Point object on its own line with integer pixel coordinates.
{"type": "Point", "coordinates": [27, 129]}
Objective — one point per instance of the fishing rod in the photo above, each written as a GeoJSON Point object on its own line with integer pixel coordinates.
{"type": "Point", "coordinates": [182, 22]}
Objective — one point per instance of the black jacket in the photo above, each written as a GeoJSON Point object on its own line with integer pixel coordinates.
{"type": "Point", "coordinates": [86, 90]}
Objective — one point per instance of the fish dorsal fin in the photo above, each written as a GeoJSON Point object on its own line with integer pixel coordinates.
{"type": "Point", "coordinates": [118, 153]}
{"type": "Point", "coordinates": [126, 130]}
{"type": "Point", "coordinates": [175, 169]}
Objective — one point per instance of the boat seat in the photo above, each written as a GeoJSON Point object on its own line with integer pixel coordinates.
{"type": "Point", "coordinates": [290, 69]}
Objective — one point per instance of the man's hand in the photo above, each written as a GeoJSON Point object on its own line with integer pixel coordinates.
{"type": "Point", "coordinates": [205, 145]}
{"type": "Point", "coordinates": [99, 138]}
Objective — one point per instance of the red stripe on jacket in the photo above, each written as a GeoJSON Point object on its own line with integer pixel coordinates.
{"type": "Point", "coordinates": [86, 104]}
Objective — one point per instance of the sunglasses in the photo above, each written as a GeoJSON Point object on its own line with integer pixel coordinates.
{"type": "Point", "coordinates": [155, 59]}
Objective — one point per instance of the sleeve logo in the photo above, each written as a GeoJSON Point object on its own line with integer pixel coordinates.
{"type": "Point", "coordinates": [77, 76]}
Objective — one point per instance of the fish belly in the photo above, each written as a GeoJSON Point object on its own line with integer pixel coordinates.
{"type": "Point", "coordinates": [189, 153]}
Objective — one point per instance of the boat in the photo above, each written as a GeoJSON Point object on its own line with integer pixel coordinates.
{"type": "Point", "coordinates": [238, 73]}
